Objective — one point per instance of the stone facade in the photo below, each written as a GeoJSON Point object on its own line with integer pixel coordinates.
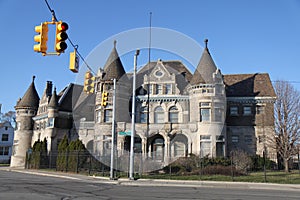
{"type": "Point", "coordinates": [177, 113]}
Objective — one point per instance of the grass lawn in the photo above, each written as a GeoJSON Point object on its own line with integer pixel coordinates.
{"type": "Point", "coordinates": [271, 177]}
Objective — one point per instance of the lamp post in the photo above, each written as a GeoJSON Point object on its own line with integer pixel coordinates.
{"type": "Point", "coordinates": [131, 167]}
{"type": "Point", "coordinates": [113, 136]}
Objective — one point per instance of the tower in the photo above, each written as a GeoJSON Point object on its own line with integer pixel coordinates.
{"type": "Point", "coordinates": [26, 108]}
{"type": "Point", "coordinates": [208, 106]}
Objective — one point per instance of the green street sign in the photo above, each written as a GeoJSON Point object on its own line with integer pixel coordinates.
{"type": "Point", "coordinates": [125, 133]}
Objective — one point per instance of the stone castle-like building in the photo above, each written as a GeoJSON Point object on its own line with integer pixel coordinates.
{"type": "Point", "coordinates": [178, 113]}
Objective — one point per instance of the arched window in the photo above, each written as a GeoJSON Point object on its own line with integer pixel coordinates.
{"type": "Point", "coordinates": [159, 115]}
{"type": "Point", "coordinates": [173, 114]}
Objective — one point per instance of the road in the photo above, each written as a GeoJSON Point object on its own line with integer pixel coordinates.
{"type": "Point", "coordinates": [16, 185]}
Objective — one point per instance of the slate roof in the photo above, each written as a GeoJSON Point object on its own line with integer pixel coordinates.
{"type": "Point", "coordinates": [113, 67]}
{"type": "Point", "coordinates": [73, 99]}
{"type": "Point", "coordinates": [30, 99]}
{"type": "Point", "coordinates": [53, 103]}
{"type": "Point", "coordinates": [249, 85]}
{"type": "Point", "coordinates": [69, 96]}
{"type": "Point", "coordinates": [205, 69]}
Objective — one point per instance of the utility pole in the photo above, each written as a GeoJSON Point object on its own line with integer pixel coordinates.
{"type": "Point", "coordinates": [113, 136]}
{"type": "Point", "coordinates": [131, 166]}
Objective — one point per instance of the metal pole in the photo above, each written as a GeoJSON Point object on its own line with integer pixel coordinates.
{"type": "Point", "coordinates": [112, 151]}
{"type": "Point", "coordinates": [131, 167]}
{"type": "Point", "coordinates": [299, 159]}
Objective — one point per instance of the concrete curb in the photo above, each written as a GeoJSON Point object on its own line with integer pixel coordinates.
{"type": "Point", "coordinates": [160, 182]}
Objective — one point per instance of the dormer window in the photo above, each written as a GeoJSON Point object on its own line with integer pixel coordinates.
{"type": "Point", "coordinates": [159, 89]}
{"type": "Point", "coordinates": [168, 89]}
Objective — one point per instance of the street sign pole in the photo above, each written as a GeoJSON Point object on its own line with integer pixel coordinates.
{"type": "Point", "coordinates": [131, 166]}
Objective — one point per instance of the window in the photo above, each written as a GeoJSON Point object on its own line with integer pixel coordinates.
{"type": "Point", "coordinates": [108, 115]}
{"type": "Point", "coordinates": [159, 115]}
{"type": "Point", "coordinates": [159, 89]}
{"type": "Point", "coordinates": [173, 114]}
{"type": "Point", "coordinates": [150, 88]}
{"type": "Point", "coordinates": [98, 116]}
{"type": "Point", "coordinates": [234, 110]}
{"type": "Point", "coordinates": [205, 114]}
{"type": "Point", "coordinates": [260, 109]}
{"type": "Point", "coordinates": [179, 149]}
{"type": "Point", "coordinates": [220, 146]}
{"type": "Point", "coordinates": [168, 89]}
{"type": "Point", "coordinates": [204, 111]}
{"type": "Point", "coordinates": [5, 137]}
{"type": "Point", "coordinates": [50, 122]}
{"type": "Point", "coordinates": [247, 110]}
{"type": "Point", "coordinates": [144, 114]}
{"type": "Point", "coordinates": [4, 151]}
{"type": "Point", "coordinates": [235, 139]}
{"type": "Point", "coordinates": [219, 109]}
{"type": "Point", "coordinates": [248, 139]}
{"type": "Point", "coordinates": [205, 145]}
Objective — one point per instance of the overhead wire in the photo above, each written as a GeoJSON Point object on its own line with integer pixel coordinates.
{"type": "Point", "coordinates": [70, 41]}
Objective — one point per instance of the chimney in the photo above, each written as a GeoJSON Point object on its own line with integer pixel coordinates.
{"type": "Point", "coordinates": [49, 88]}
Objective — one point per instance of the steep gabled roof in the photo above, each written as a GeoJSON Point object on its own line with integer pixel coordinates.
{"type": "Point", "coordinates": [113, 67]}
{"type": "Point", "coordinates": [30, 99]}
{"type": "Point", "coordinates": [249, 85]}
{"type": "Point", "coordinates": [205, 69]}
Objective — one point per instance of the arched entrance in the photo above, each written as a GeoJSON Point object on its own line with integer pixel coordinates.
{"type": "Point", "coordinates": [156, 146]}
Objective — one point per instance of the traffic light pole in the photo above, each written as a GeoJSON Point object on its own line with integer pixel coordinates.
{"type": "Point", "coordinates": [113, 136]}
{"type": "Point", "coordinates": [131, 166]}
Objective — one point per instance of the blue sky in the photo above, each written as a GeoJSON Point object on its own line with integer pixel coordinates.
{"type": "Point", "coordinates": [246, 36]}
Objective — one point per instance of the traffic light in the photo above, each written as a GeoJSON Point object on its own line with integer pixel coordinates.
{"type": "Point", "coordinates": [61, 36]}
{"type": "Point", "coordinates": [89, 83]}
{"type": "Point", "coordinates": [74, 62]}
{"type": "Point", "coordinates": [104, 99]}
{"type": "Point", "coordinates": [41, 38]}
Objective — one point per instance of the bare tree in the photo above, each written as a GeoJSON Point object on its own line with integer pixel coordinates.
{"type": "Point", "coordinates": [287, 125]}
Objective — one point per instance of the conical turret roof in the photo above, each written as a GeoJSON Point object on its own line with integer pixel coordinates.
{"type": "Point", "coordinates": [205, 69]}
{"type": "Point", "coordinates": [30, 99]}
{"type": "Point", "coordinates": [53, 103]}
{"type": "Point", "coordinates": [113, 67]}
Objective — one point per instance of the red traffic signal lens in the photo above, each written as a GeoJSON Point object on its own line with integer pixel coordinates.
{"type": "Point", "coordinates": [64, 26]}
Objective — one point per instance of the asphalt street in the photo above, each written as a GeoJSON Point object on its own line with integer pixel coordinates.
{"type": "Point", "coordinates": [28, 185]}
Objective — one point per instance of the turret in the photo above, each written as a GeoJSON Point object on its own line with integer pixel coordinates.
{"type": "Point", "coordinates": [26, 108]}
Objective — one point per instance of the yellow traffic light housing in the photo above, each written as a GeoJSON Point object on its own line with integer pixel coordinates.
{"type": "Point", "coordinates": [89, 83]}
{"type": "Point", "coordinates": [104, 99]}
{"type": "Point", "coordinates": [41, 38]}
{"type": "Point", "coordinates": [61, 36]}
{"type": "Point", "coordinates": [74, 62]}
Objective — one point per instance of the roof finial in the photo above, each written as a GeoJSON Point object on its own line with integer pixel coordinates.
{"type": "Point", "coordinates": [33, 78]}
{"type": "Point", "coordinates": [206, 41]}
{"type": "Point", "coordinates": [115, 43]}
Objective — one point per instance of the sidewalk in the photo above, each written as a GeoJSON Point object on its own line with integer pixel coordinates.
{"type": "Point", "coordinates": [159, 182]}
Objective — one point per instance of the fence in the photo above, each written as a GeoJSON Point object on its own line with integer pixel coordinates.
{"type": "Point", "coordinates": [235, 168]}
